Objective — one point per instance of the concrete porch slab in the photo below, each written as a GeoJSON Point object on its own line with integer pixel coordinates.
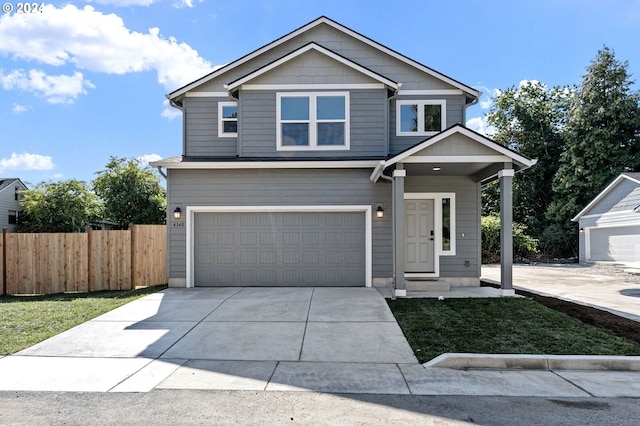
{"type": "Point", "coordinates": [350, 304]}
{"type": "Point", "coordinates": [338, 378]}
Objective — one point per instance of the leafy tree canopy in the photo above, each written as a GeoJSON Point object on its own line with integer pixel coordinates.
{"type": "Point", "coordinates": [65, 206]}
{"type": "Point", "coordinates": [131, 193]}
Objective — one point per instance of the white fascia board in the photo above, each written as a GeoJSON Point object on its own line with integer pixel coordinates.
{"type": "Point", "coordinates": [430, 92]}
{"type": "Point", "coordinates": [323, 20]}
{"type": "Point", "coordinates": [207, 95]}
{"type": "Point", "coordinates": [601, 195]}
{"type": "Point", "coordinates": [230, 165]}
{"type": "Point", "coordinates": [304, 49]}
{"type": "Point", "coordinates": [468, 133]}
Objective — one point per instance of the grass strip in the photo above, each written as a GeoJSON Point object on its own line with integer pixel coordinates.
{"type": "Point", "coordinates": [500, 326]}
{"type": "Point", "coordinates": [27, 320]}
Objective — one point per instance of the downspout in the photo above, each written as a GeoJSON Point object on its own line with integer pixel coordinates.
{"type": "Point", "coordinates": [464, 111]}
{"type": "Point", "coordinates": [391, 98]}
{"type": "Point", "coordinates": [163, 174]}
{"type": "Point", "coordinates": [239, 139]}
{"type": "Point", "coordinates": [179, 106]}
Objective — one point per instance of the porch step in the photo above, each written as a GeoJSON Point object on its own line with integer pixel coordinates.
{"type": "Point", "coordinates": [427, 286]}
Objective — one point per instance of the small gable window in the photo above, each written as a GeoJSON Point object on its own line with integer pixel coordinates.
{"type": "Point", "coordinates": [227, 119]}
{"type": "Point", "coordinates": [420, 118]}
{"type": "Point", "coordinates": [312, 121]}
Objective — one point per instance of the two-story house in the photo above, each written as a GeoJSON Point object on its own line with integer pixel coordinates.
{"type": "Point", "coordinates": [327, 159]}
{"type": "Point", "coordinates": [10, 189]}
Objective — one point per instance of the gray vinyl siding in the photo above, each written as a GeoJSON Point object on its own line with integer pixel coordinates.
{"type": "Point", "coordinates": [278, 187]}
{"type": "Point", "coordinates": [455, 115]}
{"type": "Point", "coordinates": [8, 202]}
{"type": "Point", "coordinates": [201, 129]}
{"type": "Point", "coordinates": [624, 196]}
{"type": "Point", "coordinates": [367, 126]}
{"type": "Point", "coordinates": [467, 221]}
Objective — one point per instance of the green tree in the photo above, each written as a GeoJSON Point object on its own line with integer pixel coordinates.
{"type": "Point", "coordinates": [530, 119]}
{"type": "Point", "coordinates": [131, 193]}
{"type": "Point", "coordinates": [602, 140]}
{"type": "Point", "coordinates": [65, 206]}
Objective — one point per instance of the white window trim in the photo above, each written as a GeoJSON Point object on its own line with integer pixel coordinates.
{"type": "Point", "coordinates": [221, 133]}
{"type": "Point", "coordinates": [437, 225]}
{"type": "Point", "coordinates": [313, 121]}
{"type": "Point", "coordinates": [190, 229]}
{"type": "Point", "coordinates": [421, 103]}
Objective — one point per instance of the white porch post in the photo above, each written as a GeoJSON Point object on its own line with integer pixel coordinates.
{"type": "Point", "coordinates": [506, 230]}
{"type": "Point", "coordinates": [398, 230]}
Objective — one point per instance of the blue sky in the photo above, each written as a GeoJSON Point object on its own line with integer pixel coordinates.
{"type": "Point", "coordinates": [81, 81]}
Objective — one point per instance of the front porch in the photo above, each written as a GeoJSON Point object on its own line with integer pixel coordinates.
{"type": "Point", "coordinates": [436, 204]}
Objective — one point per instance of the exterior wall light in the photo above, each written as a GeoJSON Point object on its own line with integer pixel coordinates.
{"type": "Point", "coordinates": [379, 212]}
{"type": "Point", "coordinates": [177, 213]}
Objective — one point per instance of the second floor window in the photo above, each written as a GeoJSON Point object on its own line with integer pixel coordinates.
{"type": "Point", "coordinates": [227, 119]}
{"type": "Point", "coordinates": [13, 217]}
{"type": "Point", "coordinates": [420, 118]}
{"type": "Point", "coordinates": [313, 121]}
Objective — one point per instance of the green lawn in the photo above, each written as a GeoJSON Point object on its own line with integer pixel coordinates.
{"type": "Point", "coordinates": [27, 320]}
{"type": "Point", "coordinates": [500, 326]}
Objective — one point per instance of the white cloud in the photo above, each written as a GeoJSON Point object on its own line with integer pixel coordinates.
{"type": "Point", "coordinates": [26, 161]}
{"type": "Point", "coordinates": [169, 111]}
{"type": "Point", "coordinates": [481, 125]}
{"type": "Point", "coordinates": [20, 108]}
{"type": "Point", "coordinates": [98, 42]}
{"type": "Point", "coordinates": [57, 89]}
{"type": "Point", "coordinates": [147, 158]}
{"type": "Point", "coordinates": [128, 3]}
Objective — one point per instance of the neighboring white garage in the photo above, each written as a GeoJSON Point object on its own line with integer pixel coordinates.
{"type": "Point", "coordinates": [280, 248]}
{"type": "Point", "coordinates": [610, 224]}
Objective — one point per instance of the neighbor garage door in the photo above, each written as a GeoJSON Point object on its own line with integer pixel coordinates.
{"type": "Point", "coordinates": [279, 249]}
{"type": "Point", "coordinates": [620, 244]}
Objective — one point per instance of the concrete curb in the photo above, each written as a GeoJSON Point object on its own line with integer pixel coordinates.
{"type": "Point", "coordinates": [535, 362]}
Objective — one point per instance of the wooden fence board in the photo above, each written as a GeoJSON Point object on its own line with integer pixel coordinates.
{"type": "Point", "coordinates": [106, 260]}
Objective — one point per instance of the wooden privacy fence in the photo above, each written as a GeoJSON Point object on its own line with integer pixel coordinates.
{"type": "Point", "coordinates": [97, 260]}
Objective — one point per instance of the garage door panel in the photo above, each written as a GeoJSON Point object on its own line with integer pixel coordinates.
{"type": "Point", "coordinates": [620, 244]}
{"type": "Point", "coordinates": [279, 249]}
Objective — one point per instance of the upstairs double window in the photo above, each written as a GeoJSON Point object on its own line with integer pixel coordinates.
{"type": "Point", "coordinates": [420, 118]}
{"type": "Point", "coordinates": [312, 121]}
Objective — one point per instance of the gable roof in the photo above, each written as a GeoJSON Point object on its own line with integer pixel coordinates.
{"type": "Point", "coordinates": [7, 182]}
{"type": "Point", "coordinates": [469, 91]}
{"type": "Point", "coordinates": [520, 160]}
{"type": "Point", "coordinates": [304, 49]}
{"type": "Point", "coordinates": [632, 177]}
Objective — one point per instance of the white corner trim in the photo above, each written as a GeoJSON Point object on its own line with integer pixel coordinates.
{"type": "Point", "coordinates": [192, 210]}
{"type": "Point", "coordinates": [506, 173]}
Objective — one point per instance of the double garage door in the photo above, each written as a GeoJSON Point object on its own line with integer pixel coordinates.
{"type": "Point", "coordinates": [279, 249]}
{"type": "Point", "coordinates": [620, 244]}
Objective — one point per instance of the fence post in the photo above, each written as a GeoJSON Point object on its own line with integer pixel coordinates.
{"type": "Point", "coordinates": [5, 231]}
{"type": "Point", "coordinates": [133, 230]}
{"type": "Point", "coordinates": [89, 259]}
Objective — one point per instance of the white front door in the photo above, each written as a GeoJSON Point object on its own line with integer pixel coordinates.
{"type": "Point", "coordinates": [419, 236]}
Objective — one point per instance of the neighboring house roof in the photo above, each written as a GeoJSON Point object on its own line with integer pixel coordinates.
{"type": "Point", "coordinates": [9, 182]}
{"type": "Point", "coordinates": [471, 93]}
{"type": "Point", "coordinates": [304, 49]}
{"type": "Point", "coordinates": [632, 177]}
{"type": "Point", "coordinates": [520, 161]}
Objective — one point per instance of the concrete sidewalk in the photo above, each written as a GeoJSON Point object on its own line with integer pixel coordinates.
{"type": "Point", "coordinates": [327, 340]}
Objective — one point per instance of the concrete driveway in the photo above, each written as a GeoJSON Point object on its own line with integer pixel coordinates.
{"type": "Point", "coordinates": [607, 287]}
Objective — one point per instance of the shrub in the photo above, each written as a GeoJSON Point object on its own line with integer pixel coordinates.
{"type": "Point", "coordinates": [523, 245]}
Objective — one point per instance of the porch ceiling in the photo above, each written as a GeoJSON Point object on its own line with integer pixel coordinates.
{"type": "Point", "coordinates": [479, 171]}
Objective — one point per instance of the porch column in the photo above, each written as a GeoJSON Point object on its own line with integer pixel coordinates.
{"type": "Point", "coordinates": [398, 229]}
{"type": "Point", "coordinates": [506, 231]}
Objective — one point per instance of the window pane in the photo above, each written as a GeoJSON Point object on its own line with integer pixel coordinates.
{"type": "Point", "coordinates": [294, 108]}
{"type": "Point", "coordinates": [330, 134]}
{"type": "Point", "coordinates": [446, 224]}
{"type": "Point", "coordinates": [230, 126]}
{"type": "Point", "coordinates": [408, 118]}
{"type": "Point", "coordinates": [330, 107]}
{"type": "Point", "coordinates": [295, 134]}
{"type": "Point", "coordinates": [432, 118]}
{"type": "Point", "coordinates": [230, 111]}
